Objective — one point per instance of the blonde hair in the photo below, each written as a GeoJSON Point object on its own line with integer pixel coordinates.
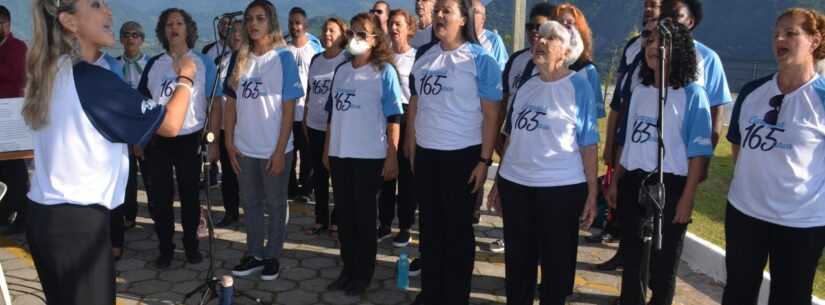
{"type": "Point", "coordinates": [246, 45]}
{"type": "Point", "coordinates": [50, 41]}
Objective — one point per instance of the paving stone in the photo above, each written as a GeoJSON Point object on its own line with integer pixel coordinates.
{"type": "Point", "coordinates": [297, 297]}
{"type": "Point", "coordinates": [298, 274]}
{"type": "Point", "coordinates": [129, 264]}
{"type": "Point", "coordinates": [25, 274]}
{"type": "Point", "coordinates": [178, 275]}
{"type": "Point", "coordinates": [150, 287]}
{"type": "Point", "coordinates": [279, 285]}
{"type": "Point", "coordinates": [388, 297]}
{"type": "Point", "coordinates": [339, 298]}
{"type": "Point", "coordinates": [138, 275]}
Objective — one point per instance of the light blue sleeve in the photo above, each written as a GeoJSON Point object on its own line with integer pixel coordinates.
{"type": "Point", "coordinates": [291, 82]}
{"type": "Point", "coordinates": [391, 94]}
{"type": "Point", "coordinates": [696, 127]}
{"type": "Point", "coordinates": [211, 71]}
{"type": "Point", "coordinates": [116, 66]}
{"type": "Point", "coordinates": [716, 82]}
{"type": "Point", "coordinates": [488, 75]}
{"type": "Point", "coordinates": [587, 126]}
{"type": "Point", "coordinates": [595, 82]}
{"type": "Point", "coordinates": [499, 51]}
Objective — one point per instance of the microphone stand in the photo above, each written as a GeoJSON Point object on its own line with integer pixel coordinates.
{"type": "Point", "coordinates": [209, 288]}
{"type": "Point", "coordinates": [652, 195]}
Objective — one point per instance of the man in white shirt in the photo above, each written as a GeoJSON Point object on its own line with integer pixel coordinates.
{"type": "Point", "coordinates": [381, 9]}
{"type": "Point", "coordinates": [490, 40]}
{"type": "Point", "coordinates": [424, 28]}
{"type": "Point", "coordinates": [303, 49]}
{"type": "Point", "coordinates": [214, 49]}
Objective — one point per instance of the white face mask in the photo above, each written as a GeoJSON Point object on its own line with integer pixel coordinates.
{"type": "Point", "coordinates": [357, 46]}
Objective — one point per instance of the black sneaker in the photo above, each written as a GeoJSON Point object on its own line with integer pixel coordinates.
{"type": "Point", "coordinates": [247, 266]}
{"type": "Point", "coordinates": [383, 233]}
{"type": "Point", "coordinates": [271, 267]}
{"type": "Point", "coordinates": [402, 239]}
{"type": "Point", "coordinates": [164, 261]}
{"type": "Point", "coordinates": [194, 257]}
{"type": "Point", "coordinates": [415, 267]}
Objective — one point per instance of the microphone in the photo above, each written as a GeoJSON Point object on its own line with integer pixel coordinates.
{"type": "Point", "coordinates": [230, 15]}
{"type": "Point", "coordinates": [663, 29]}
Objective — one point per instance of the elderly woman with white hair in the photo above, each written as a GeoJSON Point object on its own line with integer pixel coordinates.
{"type": "Point", "coordinates": [547, 180]}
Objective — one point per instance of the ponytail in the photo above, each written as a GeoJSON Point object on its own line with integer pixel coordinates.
{"type": "Point", "coordinates": [49, 43]}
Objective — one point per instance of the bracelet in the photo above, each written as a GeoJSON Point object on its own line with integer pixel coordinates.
{"type": "Point", "coordinates": [186, 78]}
{"type": "Point", "coordinates": [187, 86]}
{"type": "Point", "coordinates": [485, 161]}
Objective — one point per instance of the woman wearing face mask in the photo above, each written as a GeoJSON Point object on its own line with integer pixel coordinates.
{"type": "Point", "coordinates": [261, 90]}
{"type": "Point", "coordinates": [402, 28]}
{"type": "Point", "coordinates": [361, 145]}
{"type": "Point", "coordinates": [547, 179]}
{"type": "Point", "coordinates": [775, 210]}
{"type": "Point", "coordinates": [687, 142]}
{"type": "Point", "coordinates": [177, 32]}
{"type": "Point", "coordinates": [75, 187]}
{"type": "Point", "coordinates": [455, 88]}
{"type": "Point", "coordinates": [321, 70]}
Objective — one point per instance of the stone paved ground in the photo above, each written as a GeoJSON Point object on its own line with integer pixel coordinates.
{"type": "Point", "coordinates": [309, 263]}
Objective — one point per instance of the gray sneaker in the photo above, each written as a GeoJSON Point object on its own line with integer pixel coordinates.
{"type": "Point", "coordinates": [497, 246]}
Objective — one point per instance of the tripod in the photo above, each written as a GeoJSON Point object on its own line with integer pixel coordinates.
{"type": "Point", "coordinates": [209, 288]}
{"type": "Point", "coordinates": [652, 195]}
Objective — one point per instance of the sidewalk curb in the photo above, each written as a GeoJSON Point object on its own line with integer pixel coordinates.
{"type": "Point", "coordinates": [709, 259]}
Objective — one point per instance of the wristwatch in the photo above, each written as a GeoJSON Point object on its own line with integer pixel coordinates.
{"type": "Point", "coordinates": [485, 161]}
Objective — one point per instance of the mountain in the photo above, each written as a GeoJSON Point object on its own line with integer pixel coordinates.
{"type": "Point", "coordinates": [739, 30]}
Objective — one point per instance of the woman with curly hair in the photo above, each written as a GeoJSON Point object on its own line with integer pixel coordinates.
{"type": "Point", "coordinates": [687, 141]}
{"type": "Point", "coordinates": [361, 145]}
{"type": "Point", "coordinates": [775, 209]}
{"type": "Point", "coordinates": [177, 32]}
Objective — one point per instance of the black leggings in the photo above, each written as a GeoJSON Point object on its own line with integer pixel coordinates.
{"type": "Point", "coordinates": [299, 175]}
{"type": "Point", "coordinates": [541, 226]}
{"type": "Point", "coordinates": [320, 177]}
{"type": "Point", "coordinates": [181, 154]}
{"type": "Point", "coordinates": [405, 200]}
{"type": "Point", "coordinates": [356, 183]}
{"type": "Point", "coordinates": [663, 263]}
{"type": "Point", "coordinates": [446, 205]}
{"type": "Point", "coordinates": [793, 253]}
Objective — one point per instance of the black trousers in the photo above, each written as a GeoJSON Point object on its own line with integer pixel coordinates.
{"type": "Point", "coordinates": [355, 184]}
{"type": "Point", "coordinates": [663, 263]}
{"type": "Point", "coordinates": [229, 183]}
{"type": "Point", "coordinates": [130, 206]}
{"type": "Point", "coordinates": [403, 203]}
{"type": "Point", "coordinates": [72, 253]}
{"type": "Point", "coordinates": [541, 226]}
{"type": "Point", "coordinates": [793, 255]}
{"type": "Point", "coordinates": [446, 205]}
{"type": "Point", "coordinates": [320, 177]}
{"type": "Point", "coordinates": [299, 181]}
{"type": "Point", "coordinates": [16, 177]}
{"type": "Point", "coordinates": [181, 154]}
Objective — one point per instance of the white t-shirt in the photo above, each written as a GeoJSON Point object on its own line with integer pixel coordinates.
{"type": "Point", "coordinates": [303, 57]}
{"type": "Point", "coordinates": [270, 81]}
{"type": "Point", "coordinates": [320, 78]}
{"type": "Point", "coordinates": [450, 86]}
{"type": "Point", "coordinates": [422, 36]}
{"type": "Point", "coordinates": [548, 123]}
{"type": "Point", "coordinates": [132, 71]}
{"type": "Point", "coordinates": [780, 171]}
{"type": "Point", "coordinates": [361, 100]}
{"type": "Point", "coordinates": [213, 50]}
{"type": "Point", "coordinates": [81, 154]}
{"type": "Point", "coordinates": [159, 80]}
{"type": "Point", "coordinates": [404, 63]}
{"type": "Point", "coordinates": [686, 126]}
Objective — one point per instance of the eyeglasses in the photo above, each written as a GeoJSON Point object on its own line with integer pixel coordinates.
{"type": "Point", "coordinates": [360, 34]}
{"type": "Point", "coordinates": [133, 35]}
{"type": "Point", "coordinates": [377, 12]}
{"type": "Point", "coordinates": [532, 26]}
{"type": "Point", "coordinates": [773, 115]}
